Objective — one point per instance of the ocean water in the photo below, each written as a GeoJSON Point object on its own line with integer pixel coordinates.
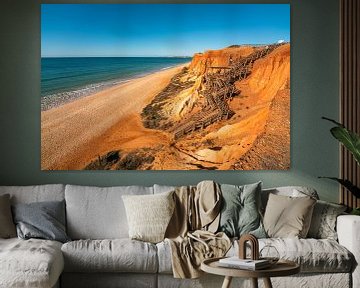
{"type": "Point", "coordinates": [63, 79]}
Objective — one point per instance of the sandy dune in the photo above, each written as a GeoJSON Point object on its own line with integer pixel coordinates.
{"type": "Point", "coordinates": [70, 134]}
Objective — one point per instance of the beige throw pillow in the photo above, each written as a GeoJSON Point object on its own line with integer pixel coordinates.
{"type": "Point", "coordinates": [7, 226]}
{"type": "Point", "coordinates": [148, 215]}
{"type": "Point", "coordinates": [288, 217]}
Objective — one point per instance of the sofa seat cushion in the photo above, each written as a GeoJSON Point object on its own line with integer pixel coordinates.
{"type": "Point", "coordinates": [115, 255]}
{"type": "Point", "coordinates": [30, 263]}
{"type": "Point", "coordinates": [313, 255]}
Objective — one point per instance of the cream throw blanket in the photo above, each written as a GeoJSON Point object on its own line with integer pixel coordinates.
{"type": "Point", "coordinates": [191, 231]}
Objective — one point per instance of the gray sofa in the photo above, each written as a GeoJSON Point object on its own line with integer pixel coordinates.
{"type": "Point", "coordinates": [101, 255]}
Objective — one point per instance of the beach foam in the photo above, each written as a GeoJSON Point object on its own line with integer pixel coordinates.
{"type": "Point", "coordinates": [57, 99]}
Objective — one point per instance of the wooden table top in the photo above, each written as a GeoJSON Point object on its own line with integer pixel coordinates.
{"type": "Point", "coordinates": [281, 268]}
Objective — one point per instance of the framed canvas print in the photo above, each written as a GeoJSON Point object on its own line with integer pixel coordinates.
{"type": "Point", "coordinates": [165, 86]}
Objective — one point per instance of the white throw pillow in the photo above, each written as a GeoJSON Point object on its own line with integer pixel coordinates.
{"type": "Point", "coordinates": [149, 215]}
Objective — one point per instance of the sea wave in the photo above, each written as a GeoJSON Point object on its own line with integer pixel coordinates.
{"type": "Point", "coordinates": [168, 67]}
{"type": "Point", "coordinates": [60, 98]}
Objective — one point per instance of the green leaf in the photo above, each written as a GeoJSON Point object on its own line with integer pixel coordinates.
{"type": "Point", "coordinates": [349, 139]}
{"type": "Point", "coordinates": [355, 211]}
{"type": "Point", "coordinates": [333, 121]}
{"type": "Point", "coordinates": [347, 184]}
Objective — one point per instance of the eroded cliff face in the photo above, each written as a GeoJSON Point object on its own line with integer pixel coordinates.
{"type": "Point", "coordinates": [256, 136]}
{"type": "Point", "coordinates": [222, 145]}
{"type": "Point", "coordinates": [185, 103]}
{"type": "Point", "coordinates": [270, 76]}
{"type": "Point", "coordinates": [202, 62]}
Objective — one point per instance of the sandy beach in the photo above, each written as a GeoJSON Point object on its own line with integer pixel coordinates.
{"type": "Point", "coordinates": [77, 132]}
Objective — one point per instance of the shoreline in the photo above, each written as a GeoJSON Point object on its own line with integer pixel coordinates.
{"type": "Point", "coordinates": [77, 128]}
{"type": "Point", "coordinates": [54, 100]}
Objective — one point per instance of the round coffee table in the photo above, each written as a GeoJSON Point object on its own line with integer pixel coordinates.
{"type": "Point", "coordinates": [281, 268]}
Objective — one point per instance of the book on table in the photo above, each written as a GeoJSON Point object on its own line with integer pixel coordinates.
{"type": "Point", "coordinates": [236, 262]}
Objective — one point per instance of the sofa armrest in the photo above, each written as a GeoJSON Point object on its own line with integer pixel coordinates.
{"type": "Point", "coordinates": [348, 230]}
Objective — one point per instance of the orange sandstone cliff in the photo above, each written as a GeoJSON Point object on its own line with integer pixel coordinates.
{"type": "Point", "coordinates": [254, 133]}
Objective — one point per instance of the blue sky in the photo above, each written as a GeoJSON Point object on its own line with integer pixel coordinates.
{"type": "Point", "coordinates": [83, 30]}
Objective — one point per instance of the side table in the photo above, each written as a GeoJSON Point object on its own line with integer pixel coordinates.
{"type": "Point", "coordinates": [281, 268]}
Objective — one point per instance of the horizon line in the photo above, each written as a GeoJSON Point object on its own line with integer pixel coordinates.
{"type": "Point", "coordinates": [95, 56]}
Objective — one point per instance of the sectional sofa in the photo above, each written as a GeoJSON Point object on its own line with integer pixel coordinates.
{"type": "Point", "coordinates": [101, 254]}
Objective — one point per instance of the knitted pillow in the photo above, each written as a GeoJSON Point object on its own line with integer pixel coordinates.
{"type": "Point", "coordinates": [149, 215]}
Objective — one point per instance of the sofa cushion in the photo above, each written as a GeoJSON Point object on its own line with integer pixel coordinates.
{"type": "Point", "coordinates": [37, 193]}
{"type": "Point", "coordinates": [164, 257]}
{"type": "Point", "coordinates": [240, 210]}
{"type": "Point", "coordinates": [30, 263]}
{"type": "Point", "coordinates": [287, 216]}
{"type": "Point", "coordinates": [323, 222]}
{"type": "Point", "coordinates": [98, 213]}
{"type": "Point", "coordinates": [117, 255]}
{"type": "Point", "coordinates": [290, 191]}
{"type": "Point", "coordinates": [149, 215]}
{"type": "Point", "coordinates": [163, 188]}
{"type": "Point", "coordinates": [313, 255]}
{"type": "Point", "coordinates": [42, 220]}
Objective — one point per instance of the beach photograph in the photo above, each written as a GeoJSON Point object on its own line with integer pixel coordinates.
{"type": "Point", "coordinates": [165, 86]}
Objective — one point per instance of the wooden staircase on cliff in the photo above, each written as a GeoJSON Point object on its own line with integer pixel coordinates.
{"type": "Point", "coordinates": [219, 85]}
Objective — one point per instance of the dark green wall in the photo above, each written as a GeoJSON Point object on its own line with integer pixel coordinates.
{"type": "Point", "coordinates": [314, 93]}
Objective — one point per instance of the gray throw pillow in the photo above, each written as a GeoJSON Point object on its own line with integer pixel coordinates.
{"type": "Point", "coordinates": [7, 227]}
{"type": "Point", "coordinates": [323, 222]}
{"type": "Point", "coordinates": [240, 213]}
{"type": "Point", "coordinates": [43, 220]}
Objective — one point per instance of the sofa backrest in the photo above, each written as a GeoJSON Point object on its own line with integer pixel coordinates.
{"type": "Point", "coordinates": [36, 193]}
{"type": "Point", "coordinates": [98, 213]}
{"type": "Point", "coordinates": [163, 188]}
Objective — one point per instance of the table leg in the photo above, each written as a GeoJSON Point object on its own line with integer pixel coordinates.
{"type": "Point", "coordinates": [227, 282]}
{"type": "Point", "coordinates": [267, 283]}
{"type": "Point", "coordinates": [254, 282]}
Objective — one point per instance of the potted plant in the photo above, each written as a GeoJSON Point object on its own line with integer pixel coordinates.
{"type": "Point", "coordinates": [351, 141]}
